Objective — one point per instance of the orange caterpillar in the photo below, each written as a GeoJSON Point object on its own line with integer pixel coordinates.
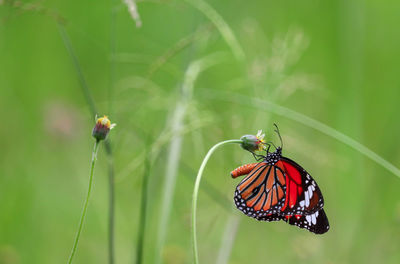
{"type": "Point", "coordinates": [243, 170]}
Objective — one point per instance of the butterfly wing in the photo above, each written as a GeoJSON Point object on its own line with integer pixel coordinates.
{"type": "Point", "coordinates": [303, 196]}
{"type": "Point", "coordinates": [316, 222]}
{"type": "Point", "coordinates": [261, 194]}
{"type": "Point", "coordinates": [283, 191]}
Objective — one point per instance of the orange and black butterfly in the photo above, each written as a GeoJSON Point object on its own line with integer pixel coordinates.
{"type": "Point", "coordinates": [277, 188]}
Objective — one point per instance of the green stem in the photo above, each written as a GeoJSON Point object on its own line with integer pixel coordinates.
{"type": "Point", "coordinates": [81, 76]}
{"type": "Point", "coordinates": [78, 234]}
{"type": "Point", "coordinates": [93, 111]}
{"type": "Point", "coordinates": [196, 192]}
{"type": "Point", "coordinates": [111, 201]}
{"type": "Point", "coordinates": [143, 210]}
{"type": "Point", "coordinates": [223, 27]}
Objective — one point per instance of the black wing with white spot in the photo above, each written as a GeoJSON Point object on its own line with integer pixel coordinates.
{"type": "Point", "coordinates": [316, 222]}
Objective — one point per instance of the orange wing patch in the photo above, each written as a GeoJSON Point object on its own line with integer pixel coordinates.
{"type": "Point", "coordinates": [254, 174]}
{"type": "Point", "coordinates": [260, 203]}
{"type": "Point", "coordinates": [263, 189]}
{"type": "Point", "coordinates": [249, 187]}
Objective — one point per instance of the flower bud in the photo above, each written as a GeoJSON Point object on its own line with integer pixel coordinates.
{"type": "Point", "coordinates": [252, 142]}
{"type": "Point", "coordinates": [102, 127]}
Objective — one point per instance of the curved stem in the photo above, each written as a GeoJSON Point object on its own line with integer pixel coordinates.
{"type": "Point", "coordinates": [78, 234]}
{"type": "Point", "coordinates": [196, 191]}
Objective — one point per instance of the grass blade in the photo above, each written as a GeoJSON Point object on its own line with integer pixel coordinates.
{"type": "Point", "coordinates": [93, 110]}
{"type": "Point", "coordinates": [307, 121]}
{"type": "Point", "coordinates": [222, 26]}
{"type": "Point", "coordinates": [143, 211]}
{"type": "Point", "coordinates": [191, 74]}
{"type": "Point", "coordinates": [228, 239]}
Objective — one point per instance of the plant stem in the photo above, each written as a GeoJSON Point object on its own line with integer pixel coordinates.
{"type": "Point", "coordinates": [307, 121]}
{"type": "Point", "coordinates": [196, 192]}
{"type": "Point", "coordinates": [81, 76]}
{"type": "Point", "coordinates": [175, 148]}
{"type": "Point", "coordinates": [143, 210]}
{"type": "Point", "coordinates": [221, 25]}
{"type": "Point", "coordinates": [78, 234]}
{"type": "Point", "coordinates": [93, 111]}
{"type": "Point", "coordinates": [111, 202]}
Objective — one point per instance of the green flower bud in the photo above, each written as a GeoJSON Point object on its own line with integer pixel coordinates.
{"type": "Point", "coordinates": [252, 142]}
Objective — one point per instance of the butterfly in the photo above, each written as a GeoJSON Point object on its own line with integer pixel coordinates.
{"type": "Point", "coordinates": [277, 188]}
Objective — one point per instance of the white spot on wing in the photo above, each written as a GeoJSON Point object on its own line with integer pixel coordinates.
{"type": "Point", "coordinates": [308, 218]}
{"type": "Point", "coordinates": [306, 199]}
{"type": "Point", "coordinates": [313, 219]}
{"type": "Point", "coordinates": [310, 193]}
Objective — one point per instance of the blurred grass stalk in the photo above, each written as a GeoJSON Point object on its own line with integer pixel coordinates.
{"type": "Point", "coordinates": [228, 239]}
{"type": "Point", "coordinates": [93, 110]}
{"type": "Point", "coordinates": [133, 11]}
{"type": "Point", "coordinates": [177, 124]}
{"type": "Point", "coordinates": [222, 26]}
{"type": "Point", "coordinates": [148, 158]}
{"type": "Point", "coordinates": [307, 121]}
{"type": "Point", "coordinates": [110, 158]}
{"type": "Point", "coordinates": [183, 43]}
{"type": "Point", "coordinates": [143, 209]}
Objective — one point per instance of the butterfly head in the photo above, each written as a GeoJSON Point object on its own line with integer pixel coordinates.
{"type": "Point", "coordinates": [274, 157]}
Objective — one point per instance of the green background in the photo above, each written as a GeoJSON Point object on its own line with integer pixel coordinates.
{"type": "Point", "coordinates": [334, 61]}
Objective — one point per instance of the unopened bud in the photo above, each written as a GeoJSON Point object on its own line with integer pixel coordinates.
{"type": "Point", "coordinates": [252, 142]}
{"type": "Point", "coordinates": [102, 127]}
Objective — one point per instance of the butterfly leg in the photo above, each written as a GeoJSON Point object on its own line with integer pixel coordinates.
{"type": "Point", "coordinates": [257, 156]}
{"type": "Point", "coordinates": [269, 143]}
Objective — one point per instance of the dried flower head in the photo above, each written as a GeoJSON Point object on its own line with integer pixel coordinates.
{"type": "Point", "coordinates": [253, 142]}
{"type": "Point", "coordinates": [102, 127]}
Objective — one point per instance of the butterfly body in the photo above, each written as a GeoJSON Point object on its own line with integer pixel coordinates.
{"type": "Point", "coordinates": [277, 188]}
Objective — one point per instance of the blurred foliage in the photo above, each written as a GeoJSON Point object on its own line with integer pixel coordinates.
{"type": "Point", "coordinates": [334, 61]}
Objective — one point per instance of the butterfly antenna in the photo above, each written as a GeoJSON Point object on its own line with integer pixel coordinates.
{"type": "Point", "coordinates": [279, 134]}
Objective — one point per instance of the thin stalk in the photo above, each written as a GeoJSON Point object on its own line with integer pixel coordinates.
{"type": "Point", "coordinates": [143, 211]}
{"type": "Point", "coordinates": [81, 77]}
{"type": "Point", "coordinates": [178, 47]}
{"type": "Point", "coordinates": [221, 25]}
{"type": "Point", "coordinates": [110, 158]}
{"type": "Point", "coordinates": [196, 193]}
{"type": "Point", "coordinates": [78, 234]}
{"type": "Point", "coordinates": [307, 121]}
{"type": "Point", "coordinates": [133, 11]}
{"type": "Point", "coordinates": [228, 239]}
{"type": "Point", "coordinates": [175, 148]}
{"type": "Point", "coordinates": [111, 202]}
{"type": "Point", "coordinates": [93, 111]}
